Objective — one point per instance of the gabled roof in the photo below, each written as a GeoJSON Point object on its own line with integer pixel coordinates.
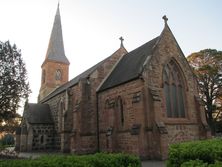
{"type": "Point", "coordinates": [55, 50]}
{"type": "Point", "coordinates": [130, 66]}
{"type": "Point", "coordinates": [75, 80]}
{"type": "Point", "coordinates": [38, 114]}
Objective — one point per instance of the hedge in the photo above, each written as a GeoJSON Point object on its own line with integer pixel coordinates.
{"type": "Point", "coordinates": [95, 160]}
{"type": "Point", "coordinates": [199, 163]}
{"type": "Point", "coordinates": [205, 151]}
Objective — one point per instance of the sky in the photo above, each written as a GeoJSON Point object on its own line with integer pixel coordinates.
{"type": "Point", "coordinates": [91, 28]}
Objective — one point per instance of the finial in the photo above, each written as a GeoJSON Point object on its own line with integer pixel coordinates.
{"type": "Point", "coordinates": [165, 19]}
{"type": "Point", "coordinates": [58, 3]}
{"type": "Point", "coordinates": [57, 11]}
{"type": "Point", "coordinates": [121, 39]}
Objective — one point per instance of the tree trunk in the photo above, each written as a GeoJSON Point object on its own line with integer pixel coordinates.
{"type": "Point", "coordinates": [211, 123]}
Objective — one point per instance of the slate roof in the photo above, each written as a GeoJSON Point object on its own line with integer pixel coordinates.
{"type": "Point", "coordinates": [75, 80]}
{"type": "Point", "coordinates": [130, 66]}
{"type": "Point", "coordinates": [55, 50]}
{"type": "Point", "coordinates": [38, 113]}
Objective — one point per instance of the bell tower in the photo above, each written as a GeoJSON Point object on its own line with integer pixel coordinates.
{"type": "Point", "coordinates": [55, 68]}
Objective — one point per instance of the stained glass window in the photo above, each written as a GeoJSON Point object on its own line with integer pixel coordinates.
{"type": "Point", "coordinates": [120, 109]}
{"type": "Point", "coordinates": [173, 88]}
{"type": "Point", "coordinates": [181, 104]}
{"type": "Point", "coordinates": [167, 99]}
{"type": "Point", "coordinates": [174, 100]}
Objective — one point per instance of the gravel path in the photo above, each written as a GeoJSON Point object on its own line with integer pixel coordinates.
{"type": "Point", "coordinates": [153, 163]}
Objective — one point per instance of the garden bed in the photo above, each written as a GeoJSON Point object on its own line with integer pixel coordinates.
{"type": "Point", "coordinates": [94, 160]}
{"type": "Point", "coordinates": [196, 153]}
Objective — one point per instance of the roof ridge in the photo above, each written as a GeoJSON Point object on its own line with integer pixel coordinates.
{"type": "Point", "coordinates": [76, 79]}
{"type": "Point", "coordinates": [130, 66]}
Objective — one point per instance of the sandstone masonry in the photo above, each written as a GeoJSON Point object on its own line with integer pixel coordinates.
{"type": "Point", "coordinates": [137, 102]}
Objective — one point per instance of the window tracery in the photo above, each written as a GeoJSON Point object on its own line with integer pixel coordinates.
{"type": "Point", "coordinates": [173, 88]}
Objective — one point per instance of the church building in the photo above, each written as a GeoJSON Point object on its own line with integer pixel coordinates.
{"type": "Point", "coordinates": [136, 102]}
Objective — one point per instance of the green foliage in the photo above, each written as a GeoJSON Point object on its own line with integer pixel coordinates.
{"type": "Point", "coordinates": [207, 65]}
{"type": "Point", "coordinates": [216, 164]}
{"type": "Point", "coordinates": [96, 160]}
{"type": "Point", "coordinates": [199, 163]}
{"type": "Point", "coordinates": [194, 163]}
{"type": "Point", "coordinates": [11, 125]}
{"type": "Point", "coordinates": [206, 151]}
{"type": "Point", "coordinates": [13, 81]}
{"type": "Point", "coordinates": [7, 139]}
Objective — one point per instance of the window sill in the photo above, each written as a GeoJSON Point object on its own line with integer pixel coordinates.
{"type": "Point", "coordinates": [171, 121]}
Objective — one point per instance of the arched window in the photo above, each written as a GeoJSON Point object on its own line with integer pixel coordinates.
{"type": "Point", "coordinates": [42, 139]}
{"type": "Point", "coordinates": [173, 88]}
{"type": "Point", "coordinates": [58, 75]}
{"type": "Point", "coordinates": [60, 115]}
{"type": "Point", "coordinates": [120, 110]}
{"type": "Point", "coordinates": [43, 76]}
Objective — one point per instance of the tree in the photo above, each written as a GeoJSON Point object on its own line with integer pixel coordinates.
{"type": "Point", "coordinates": [11, 125]}
{"type": "Point", "coordinates": [207, 65]}
{"type": "Point", "coordinates": [7, 139]}
{"type": "Point", "coordinates": [13, 81]}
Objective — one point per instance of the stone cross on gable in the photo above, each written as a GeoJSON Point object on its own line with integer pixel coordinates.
{"type": "Point", "coordinates": [121, 39]}
{"type": "Point", "coordinates": [165, 19]}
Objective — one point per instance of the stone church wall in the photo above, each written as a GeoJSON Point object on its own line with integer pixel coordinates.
{"type": "Point", "coordinates": [43, 137]}
{"type": "Point", "coordinates": [49, 82]}
{"type": "Point", "coordinates": [84, 100]}
{"type": "Point", "coordinates": [123, 133]}
{"type": "Point", "coordinates": [164, 130]}
{"type": "Point", "coordinates": [54, 107]}
{"type": "Point", "coordinates": [147, 131]}
{"type": "Point", "coordinates": [132, 116]}
{"type": "Point", "coordinates": [78, 125]}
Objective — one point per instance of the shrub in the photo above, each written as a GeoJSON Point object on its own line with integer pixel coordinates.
{"type": "Point", "coordinates": [207, 151]}
{"type": "Point", "coordinates": [194, 163]}
{"type": "Point", "coordinates": [7, 139]}
{"type": "Point", "coordinates": [199, 163]}
{"type": "Point", "coordinates": [96, 160]}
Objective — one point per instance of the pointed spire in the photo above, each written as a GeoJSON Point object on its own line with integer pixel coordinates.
{"type": "Point", "coordinates": [121, 39]}
{"type": "Point", "coordinates": [55, 50]}
{"type": "Point", "coordinates": [57, 11]}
